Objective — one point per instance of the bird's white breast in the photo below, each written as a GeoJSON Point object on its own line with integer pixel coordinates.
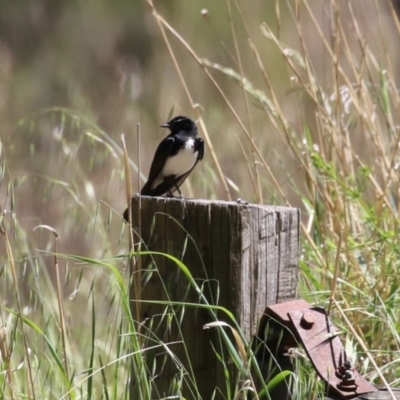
{"type": "Point", "coordinates": [180, 163]}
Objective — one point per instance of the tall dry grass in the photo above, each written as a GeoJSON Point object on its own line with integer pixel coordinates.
{"type": "Point", "coordinates": [298, 103]}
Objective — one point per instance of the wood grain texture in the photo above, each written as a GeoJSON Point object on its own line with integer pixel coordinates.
{"type": "Point", "coordinates": [245, 257]}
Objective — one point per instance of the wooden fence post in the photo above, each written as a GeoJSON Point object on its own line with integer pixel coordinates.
{"type": "Point", "coordinates": [244, 256]}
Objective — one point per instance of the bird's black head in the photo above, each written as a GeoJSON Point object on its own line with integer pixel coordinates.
{"type": "Point", "coordinates": [179, 124]}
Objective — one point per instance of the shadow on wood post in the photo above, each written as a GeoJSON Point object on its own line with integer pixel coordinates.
{"type": "Point", "coordinates": [244, 256]}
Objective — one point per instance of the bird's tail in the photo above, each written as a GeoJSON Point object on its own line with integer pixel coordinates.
{"type": "Point", "coordinates": [146, 190]}
{"type": "Point", "coordinates": [126, 219]}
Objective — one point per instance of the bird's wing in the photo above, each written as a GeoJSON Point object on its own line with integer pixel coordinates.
{"type": "Point", "coordinates": [199, 146]}
{"type": "Point", "coordinates": [164, 150]}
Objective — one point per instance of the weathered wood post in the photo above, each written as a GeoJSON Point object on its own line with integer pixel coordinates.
{"type": "Point", "coordinates": [244, 256]}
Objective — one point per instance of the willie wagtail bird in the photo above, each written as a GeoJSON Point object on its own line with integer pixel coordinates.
{"type": "Point", "coordinates": [175, 158]}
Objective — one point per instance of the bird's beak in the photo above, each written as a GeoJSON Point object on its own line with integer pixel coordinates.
{"type": "Point", "coordinates": [164, 126]}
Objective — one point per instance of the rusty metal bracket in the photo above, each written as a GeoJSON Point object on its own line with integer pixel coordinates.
{"type": "Point", "coordinates": [312, 327]}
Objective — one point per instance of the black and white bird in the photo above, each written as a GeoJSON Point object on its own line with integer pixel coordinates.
{"type": "Point", "coordinates": [175, 158]}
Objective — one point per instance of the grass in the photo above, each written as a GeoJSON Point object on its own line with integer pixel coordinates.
{"type": "Point", "coordinates": [307, 106]}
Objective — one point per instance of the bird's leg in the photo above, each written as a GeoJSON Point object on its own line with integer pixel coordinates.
{"type": "Point", "coordinates": [177, 188]}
